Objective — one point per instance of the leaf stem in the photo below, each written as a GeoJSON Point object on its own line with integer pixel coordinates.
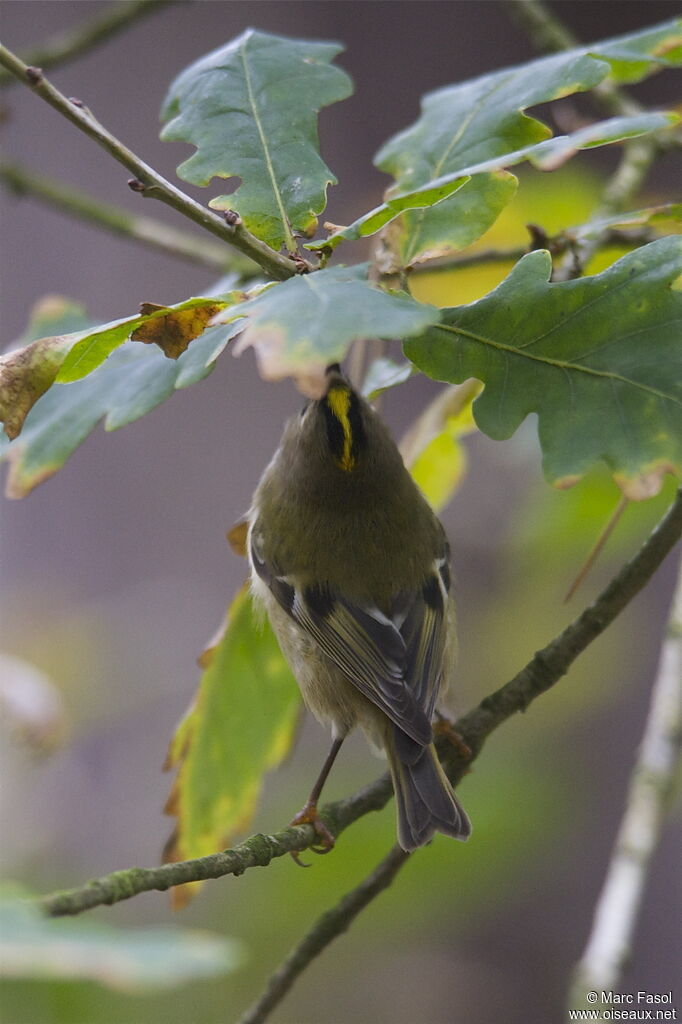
{"type": "Point", "coordinates": [73, 41]}
{"type": "Point", "coordinates": [148, 231]}
{"type": "Point", "coordinates": [651, 786]}
{"type": "Point", "coordinates": [597, 547]}
{"type": "Point", "coordinates": [329, 925]}
{"type": "Point", "coordinates": [542, 672]}
{"type": "Point", "coordinates": [147, 181]}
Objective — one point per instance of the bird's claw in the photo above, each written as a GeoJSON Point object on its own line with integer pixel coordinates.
{"type": "Point", "coordinates": [309, 816]}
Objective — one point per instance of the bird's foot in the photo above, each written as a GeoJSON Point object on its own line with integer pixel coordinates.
{"type": "Point", "coordinates": [308, 816]}
{"type": "Point", "coordinates": [444, 727]}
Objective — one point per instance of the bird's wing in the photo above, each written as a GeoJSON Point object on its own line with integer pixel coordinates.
{"type": "Point", "coordinates": [364, 643]}
{"type": "Point", "coordinates": [422, 623]}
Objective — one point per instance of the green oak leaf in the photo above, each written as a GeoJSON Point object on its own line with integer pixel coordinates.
{"type": "Point", "coordinates": [435, 221]}
{"type": "Point", "coordinates": [250, 109]}
{"type": "Point", "coordinates": [126, 959]}
{"type": "Point", "coordinates": [480, 120]}
{"type": "Point", "coordinates": [298, 325]}
{"type": "Point", "coordinates": [634, 56]}
{"type": "Point", "coordinates": [132, 382]}
{"type": "Point", "coordinates": [598, 359]}
{"type": "Point", "coordinates": [241, 725]}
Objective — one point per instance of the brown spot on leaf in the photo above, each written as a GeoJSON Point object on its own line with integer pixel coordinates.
{"type": "Point", "coordinates": [647, 484]}
{"type": "Point", "coordinates": [173, 330]}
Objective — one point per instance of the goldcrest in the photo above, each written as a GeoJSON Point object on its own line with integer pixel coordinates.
{"type": "Point", "coordinates": [351, 565]}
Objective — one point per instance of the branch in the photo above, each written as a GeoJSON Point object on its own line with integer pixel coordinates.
{"type": "Point", "coordinates": [149, 232]}
{"type": "Point", "coordinates": [65, 45]}
{"type": "Point", "coordinates": [651, 786]}
{"type": "Point", "coordinates": [542, 672]}
{"type": "Point", "coordinates": [327, 927]}
{"type": "Point", "coordinates": [149, 182]}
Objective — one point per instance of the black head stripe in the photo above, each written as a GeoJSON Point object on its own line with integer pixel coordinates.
{"type": "Point", "coordinates": [343, 421]}
{"type": "Point", "coordinates": [336, 438]}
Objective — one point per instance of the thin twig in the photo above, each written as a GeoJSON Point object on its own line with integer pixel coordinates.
{"type": "Point", "coordinates": [542, 672]}
{"type": "Point", "coordinates": [150, 232]}
{"type": "Point", "coordinates": [149, 182]}
{"type": "Point", "coordinates": [618, 194]}
{"type": "Point", "coordinates": [651, 785]}
{"type": "Point", "coordinates": [73, 41]}
{"type": "Point", "coordinates": [564, 241]}
{"type": "Point", "coordinates": [328, 926]}
{"type": "Point", "coordinates": [549, 35]}
{"type": "Point", "coordinates": [470, 259]}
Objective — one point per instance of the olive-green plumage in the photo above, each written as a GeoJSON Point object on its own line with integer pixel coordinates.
{"type": "Point", "coordinates": [352, 566]}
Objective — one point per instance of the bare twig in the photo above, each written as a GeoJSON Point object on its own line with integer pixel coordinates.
{"type": "Point", "coordinates": [564, 241]}
{"type": "Point", "coordinates": [650, 789]}
{"type": "Point", "coordinates": [327, 927]}
{"type": "Point", "coordinates": [542, 672]}
{"type": "Point", "coordinates": [68, 44]}
{"type": "Point", "coordinates": [618, 194]}
{"type": "Point", "coordinates": [549, 34]}
{"type": "Point", "coordinates": [149, 232]}
{"type": "Point", "coordinates": [470, 259]}
{"type": "Point", "coordinates": [149, 182]}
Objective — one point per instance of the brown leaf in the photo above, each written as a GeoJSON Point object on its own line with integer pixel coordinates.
{"type": "Point", "coordinates": [172, 331]}
{"type": "Point", "coordinates": [25, 375]}
{"type": "Point", "coordinates": [236, 537]}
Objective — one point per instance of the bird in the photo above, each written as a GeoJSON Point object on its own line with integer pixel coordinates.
{"type": "Point", "coordinates": [352, 567]}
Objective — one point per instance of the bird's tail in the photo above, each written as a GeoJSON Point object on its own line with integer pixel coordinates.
{"type": "Point", "coordinates": [424, 798]}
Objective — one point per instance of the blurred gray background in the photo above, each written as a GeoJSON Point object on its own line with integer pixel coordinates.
{"type": "Point", "coordinates": [115, 572]}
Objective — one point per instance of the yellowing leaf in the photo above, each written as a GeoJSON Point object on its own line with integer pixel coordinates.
{"type": "Point", "coordinates": [25, 375]}
{"type": "Point", "coordinates": [431, 448]}
{"type": "Point", "coordinates": [240, 725]}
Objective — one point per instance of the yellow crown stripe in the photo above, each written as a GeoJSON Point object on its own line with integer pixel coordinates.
{"type": "Point", "coordinates": [338, 399]}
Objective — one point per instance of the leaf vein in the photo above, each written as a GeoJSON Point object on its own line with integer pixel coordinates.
{"type": "Point", "coordinates": [291, 245]}
{"type": "Point", "coordinates": [560, 364]}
